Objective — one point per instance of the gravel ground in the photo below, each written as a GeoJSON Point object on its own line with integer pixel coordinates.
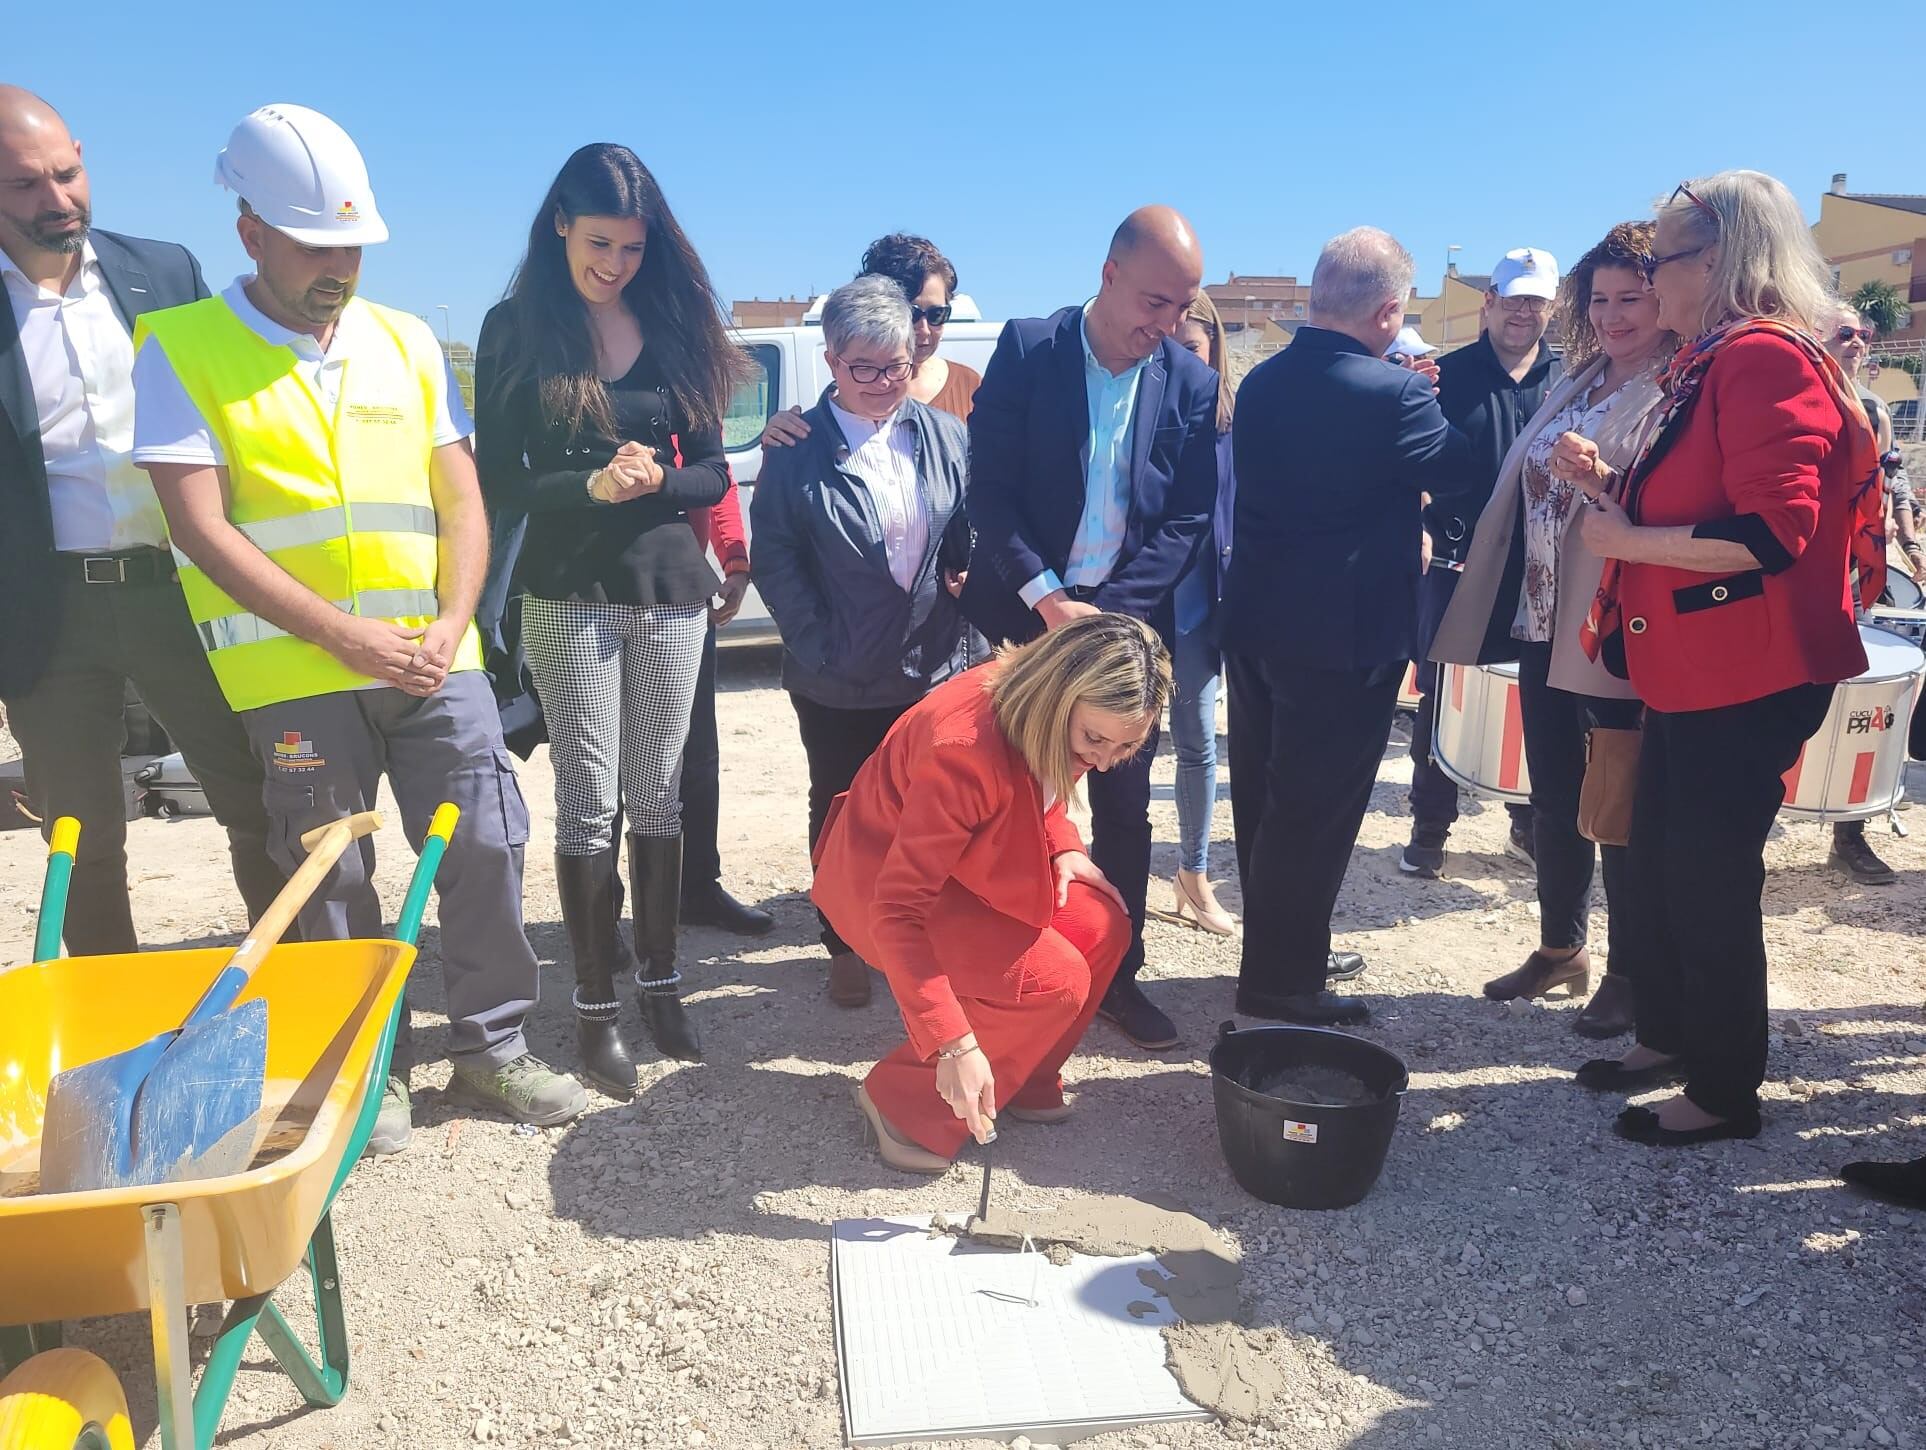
{"type": "Point", "coordinates": [656, 1274]}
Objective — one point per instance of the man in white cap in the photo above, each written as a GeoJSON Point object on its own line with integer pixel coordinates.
{"type": "Point", "coordinates": [312, 456]}
{"type": "Point", "coordinates": [1489, 390]}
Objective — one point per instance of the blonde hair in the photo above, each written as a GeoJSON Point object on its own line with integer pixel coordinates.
{"type": "Point", "coordinates": [1203, 312]}
{"type": "Point", "coordinates": [1109, 662]}
{"type": "Point", "coordinates": [1768, 264]}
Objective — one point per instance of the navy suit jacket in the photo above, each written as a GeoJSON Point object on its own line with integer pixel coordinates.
{"type": "Point", "coordinates": [141, 276]}
{"type": "Point", "coordinates": [1332, 448]}
{"type": "Point", "coordinates": [1029, 438]}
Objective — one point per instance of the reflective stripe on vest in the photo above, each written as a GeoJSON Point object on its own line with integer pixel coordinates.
{"type": "Point", "coordinates": [337, 493]}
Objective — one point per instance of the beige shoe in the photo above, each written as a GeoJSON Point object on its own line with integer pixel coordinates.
{"type": "Point", "coordinates": [1060, 1113]}
{"type": "Point", "coordinates": [1197, 905]}
{"type": "Point", "coordinates": [898, 1152]}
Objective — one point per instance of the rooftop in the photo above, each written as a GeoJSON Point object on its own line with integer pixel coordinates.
{"type": "Point", "coordinates": [1893, 200]}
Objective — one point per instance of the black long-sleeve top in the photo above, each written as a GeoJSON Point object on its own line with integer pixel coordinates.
{"type": "Point", "coordinates": [639, 552]}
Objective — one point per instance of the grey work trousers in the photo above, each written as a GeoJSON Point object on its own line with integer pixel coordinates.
{"type": "Point", "coordinates": [71, 728]}
{"type": "Point", "coordinates": [325, 756]}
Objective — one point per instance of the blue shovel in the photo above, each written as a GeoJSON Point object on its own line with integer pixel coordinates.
{"type": "Point", "coordinates": [183, 1105]}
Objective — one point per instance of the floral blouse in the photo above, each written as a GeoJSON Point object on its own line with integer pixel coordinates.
{"type": "Point", "coordinates": [1549, 503]}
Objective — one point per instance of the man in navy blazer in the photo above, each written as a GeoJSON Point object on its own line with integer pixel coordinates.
{"type": "Point", "coordinates": [88, 598]}
{"type": "Point", "coordinates": [1333, 448]}
{"type": "Point", "coordinates": [1093, 472]}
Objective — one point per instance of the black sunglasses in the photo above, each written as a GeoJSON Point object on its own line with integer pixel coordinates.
{"type": "Point", "coordinates": [1649, 267]}
{"type": "Point", "coordinates": [1847, 334]}
{"type": "Point", "coordinates": [935, 316]}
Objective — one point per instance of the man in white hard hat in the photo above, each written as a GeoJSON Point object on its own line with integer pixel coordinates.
{"type": "Point", "coordinates": [312, 456]}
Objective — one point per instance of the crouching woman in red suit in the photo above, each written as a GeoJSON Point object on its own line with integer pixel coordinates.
{"type": "Point", "coordinates": [951, 865]}
{"type": "Point", "coordinates": [1726, 600]}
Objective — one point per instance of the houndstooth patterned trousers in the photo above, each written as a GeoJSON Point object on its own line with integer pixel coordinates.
{"type": "Point", "coordinates": [617, 683]}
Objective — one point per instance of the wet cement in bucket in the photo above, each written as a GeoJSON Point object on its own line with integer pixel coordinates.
{"type": "Point", "coordinates": [1219, 1363]}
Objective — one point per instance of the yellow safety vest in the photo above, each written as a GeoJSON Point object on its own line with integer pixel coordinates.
{"type": "Point", "coordinates": [341, 502]}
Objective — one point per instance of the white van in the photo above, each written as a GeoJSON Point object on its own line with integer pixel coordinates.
{"type": "Point", "coordinates": [790, 372]}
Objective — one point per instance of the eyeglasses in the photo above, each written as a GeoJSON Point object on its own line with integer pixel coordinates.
{"type": "Point", "coordinates": [1847, 334]}
{"type": "Point", "coordinates": [1649, 267]}
{"type": "Point", "coordinates": [896, 372]}
{"type": "Point", "coordinates": [934, 316]}
{"type": "Point", "coordinates": [1536, 306]}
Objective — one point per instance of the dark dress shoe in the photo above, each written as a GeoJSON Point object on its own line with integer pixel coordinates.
{"type": "Point", "coordinates": [705, 903]}
{"type": "Point", "coordinates": [1641, 1125]}
{"type": "Point", "coordinates": [1540, 974]}
{"type": "Point", "coordinates": [1610, 1012]}
{"type": "Point", "coordinates": [1897, 1182]}
{"type": "Point", "coordinates": [1609, 1075]}
{"type": "Point", "coordinates": [1126, 1008]}
{"type": "Point", "coordinates": [849, 984]}
{"type": "Point", "coordinates": [1307, 1009]}
{"type": "Point", "coordinates": [1344, 966]}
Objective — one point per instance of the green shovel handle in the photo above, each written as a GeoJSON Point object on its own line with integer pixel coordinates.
{"type": "Point", "coordinates": [53, 892]}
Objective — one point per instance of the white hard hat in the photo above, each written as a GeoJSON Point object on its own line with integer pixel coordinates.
{"type": "Point", "coordinates": [303, 176]}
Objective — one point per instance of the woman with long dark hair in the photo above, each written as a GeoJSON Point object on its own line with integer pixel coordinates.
{"type": "Point", "coordinates": [606, 363]}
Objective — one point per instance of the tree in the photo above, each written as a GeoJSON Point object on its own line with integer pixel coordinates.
{"type": "Point", "coordinates": [1881, 307]}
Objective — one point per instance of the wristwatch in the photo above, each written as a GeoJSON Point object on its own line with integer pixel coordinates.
{"type": "Point", "coordinates": [595, 477]}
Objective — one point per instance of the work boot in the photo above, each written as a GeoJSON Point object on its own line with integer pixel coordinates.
{"type": "Point", "coordinates": [394, 1123]}
{"type": "Point", "coordinates": [525, 1088]}
{"type": "Point", "coordinates": [587, 885]}
{"type": "Point", "coordinates": [655, 879]}
{"type": "Point", "coordinates": [1854, 855]}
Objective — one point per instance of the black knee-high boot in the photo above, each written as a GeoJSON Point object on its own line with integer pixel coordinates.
{"type": "Point", "coordinates": [589, 894]}
{"type": "Point", "coordinates": [655, 879]}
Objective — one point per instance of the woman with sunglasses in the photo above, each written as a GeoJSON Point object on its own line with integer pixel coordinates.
{"type": "Point", "coordinates": [1528, 580]}
{"type": "Point", "coordinates": [928, 279]}
{"type": "Point", "coordinates": [859, 530]}
{"type": "Point", "coordinates": [607, 359]}
{"type": "Point", "coordinates": [1725, 601]}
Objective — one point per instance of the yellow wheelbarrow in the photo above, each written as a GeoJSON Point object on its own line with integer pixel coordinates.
{"type": "Point", "coordinates": [333, 1012]}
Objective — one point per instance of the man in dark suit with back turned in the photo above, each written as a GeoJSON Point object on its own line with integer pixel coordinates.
{"type": "Point", "coordinates": [1093, 471]}
{"type": "Point", "coordinates": [88, 599]}
{"type": "Point", "coordinates": [1333, 447]}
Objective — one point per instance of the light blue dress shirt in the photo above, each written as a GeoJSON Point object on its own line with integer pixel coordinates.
{"type": "Point", "coordinates": [1106, 478]}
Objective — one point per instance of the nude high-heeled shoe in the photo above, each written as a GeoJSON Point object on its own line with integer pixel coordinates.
{"type": "Point", "coordinates": [897, 1151]}
{"type": "Point", "coordinates": [1197, 905]}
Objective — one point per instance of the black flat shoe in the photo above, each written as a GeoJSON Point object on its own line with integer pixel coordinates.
{"type": "Point", "coordinates": [1344, 967]}
{"type": "Point", "coordinates": [1126, 1008]}
{"type": "Point", "coordinates": [1896, 1182]}
{"type": "Point", "coordinates": [1641, 1125]}
{"type": "Point", "coordinates": [1306, 1009]}
{"type": "Point", "coordinates": [1609, 1075]}
{"type": "Point", "coordinates": [706, 903]}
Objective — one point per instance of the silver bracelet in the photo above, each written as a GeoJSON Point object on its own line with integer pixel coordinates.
{"type": "Point", "coordinates": [595, 477]}
{"type": "Point", "coordinates": [949, 1054]}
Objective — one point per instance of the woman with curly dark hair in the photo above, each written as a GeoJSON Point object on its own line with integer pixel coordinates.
{"type": "Point", "coordinates": [1526, 585]}
{"type": "Point", "coordinates": [601, 380]}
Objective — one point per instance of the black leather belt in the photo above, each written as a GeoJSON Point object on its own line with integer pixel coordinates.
{"type": "Point", "coordinates": [128, 566]}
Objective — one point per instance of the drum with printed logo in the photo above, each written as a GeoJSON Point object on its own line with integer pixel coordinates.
{"type": "Point", "coordinates": [1480, 739]}
{"type": "Point", "coordinates": [1854, 767]}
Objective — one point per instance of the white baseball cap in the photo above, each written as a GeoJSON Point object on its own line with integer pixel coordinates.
{"type": "Point", "coordinates": [1410, 342]}
{"type": "Point", "coordinates": [1526, 272]}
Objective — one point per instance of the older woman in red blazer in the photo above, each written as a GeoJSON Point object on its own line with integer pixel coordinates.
{"type": "Point", "coordinates": [951, 864]}
{"type": "Point", "coordinates": [1727, 601]}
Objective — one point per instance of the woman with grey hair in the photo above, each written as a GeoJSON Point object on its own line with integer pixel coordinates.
{"type": "Point", "coordinates": [861, 543]}
{"type": "Point", "coordinates": [1724, 602]}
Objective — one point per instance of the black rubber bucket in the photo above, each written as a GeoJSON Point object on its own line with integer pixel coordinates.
{"type": "Point", "coordinates": [1303, 1155]}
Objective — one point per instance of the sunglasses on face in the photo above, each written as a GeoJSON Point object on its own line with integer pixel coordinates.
{"type": "Point", "coordinates": [935, 316]}
{"type": "Point", "coordinates": [896, 372]}
{"type": "Point", "coordinates": [1649, 267]}
{"type": "Point", "coordinates": [1847, 334]}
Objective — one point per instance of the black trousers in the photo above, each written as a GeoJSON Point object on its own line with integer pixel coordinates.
{"type": "Point", "coordinates": [1709, 785]}
{"type": "Point", "coordinates": [1304, 748]}
{"type": "Point", "coordinates": [1555, 724]}
{"type": "Point", "coordinates": [71, 727]}
{"type": "Point", "coordinates": [702, 779]}
{"type": "Point", "coordinates": [1120, 840]}
{"type": "Point", "coordinates": [1434, 795]}
{"type": "Point", "coordinates": [837, 742]}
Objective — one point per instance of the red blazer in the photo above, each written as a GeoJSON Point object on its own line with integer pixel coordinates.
{"type": "Point", "coordinates": [1764, 460]}
{"type": "Point", "coordinates": [946, 797]}
{"type": "Point", "coordinates": [720, 524]}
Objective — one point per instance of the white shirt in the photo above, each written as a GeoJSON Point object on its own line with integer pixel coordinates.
{"type": "Point", "coordinates": [80, 360]}
{"type": "Point", "coordinates": [883, 456]}
{"type": "Point", "coordinates": [170, 429]}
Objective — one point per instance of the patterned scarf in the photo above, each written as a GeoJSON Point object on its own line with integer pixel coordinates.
{"type": "Point", "coordinates": [1601, 635]}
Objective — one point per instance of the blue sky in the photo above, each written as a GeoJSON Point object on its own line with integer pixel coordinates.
{"type": "Point", "coordinates": [787, 135]}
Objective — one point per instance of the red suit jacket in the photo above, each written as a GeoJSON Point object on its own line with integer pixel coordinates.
{"type": "Point", "coordinates": [1760, 460]}
{"type": "Point", "coordinates": [946, 797]}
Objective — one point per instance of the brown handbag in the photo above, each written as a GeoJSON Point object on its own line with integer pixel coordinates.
{"type": "Point", "coordinates": [1611, 777]}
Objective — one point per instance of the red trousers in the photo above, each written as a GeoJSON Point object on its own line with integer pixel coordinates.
{"type": "Point", "coordinates": [1029, 995]}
